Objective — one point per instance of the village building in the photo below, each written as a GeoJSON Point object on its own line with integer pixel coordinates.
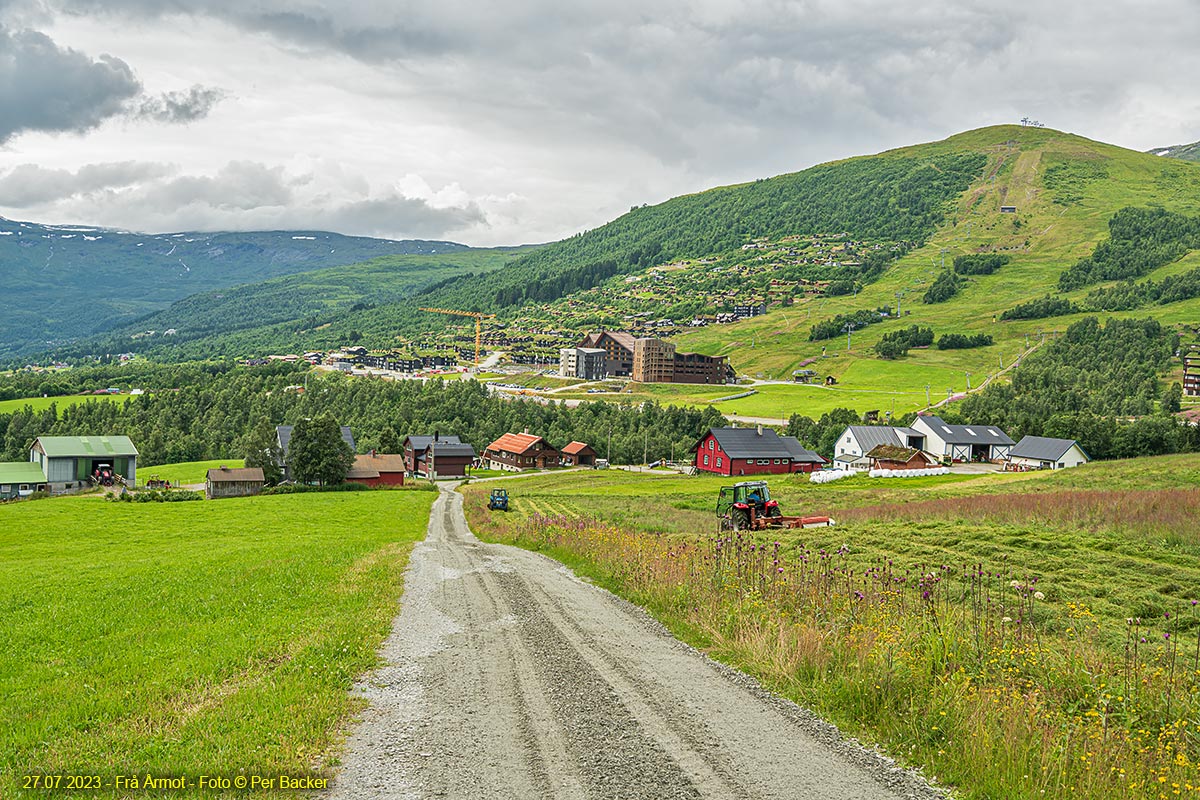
{"type": "Point", "coordinates": [653, 360]}
{"type": "Point", "coordinates": [578, 454]}
{"type": "Point", "coordinates": [857, 440]}
{"type": "Point", "coordinates": [378, 469]}
{"type": "Point", "coordinates": [618, 351]}
{"type": "Point", "coordinates": [586, 363]}
{"type": "Point", "coordinates": [283, 437]}
{"type": "Point", "coordinates": [1041, 452]}
{"type": "Point", "coordinates": [233, 482]}
{"type": "Point", "coordinates": [20, 479]}
{"type": "Point", "coordinates": [752, 451]}
{"type": "Point", "coordinates": [962, 443]}
{"type": "Point", "coordinates": [890, 456]}
{"type": "Point", "coordinates": [1191, 374]}
{"type": "Point", "coordinates": [68, 462]}
{"type": "Point", "coordinates": [514, 452]}
{"type": "Point", "coordinates": [448, 456]}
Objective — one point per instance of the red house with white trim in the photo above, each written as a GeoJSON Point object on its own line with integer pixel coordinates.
{"type": "Point", "coordinates": [753, 451]}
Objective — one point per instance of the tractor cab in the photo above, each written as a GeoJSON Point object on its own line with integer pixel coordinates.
{"type": "Point", "coordinates": [744, 504]}
{"type": "Point", "coordinates": [498, 500]}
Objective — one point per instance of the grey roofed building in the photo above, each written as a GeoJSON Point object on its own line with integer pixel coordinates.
{"type": "Point", "coordinates": [871, 436]}
{"type": "Point", "coordinates": [966, 434]}
{"type": "Point", "coordinates": [422, 442]}
{"type": "Point", "coordinates": [1042, 448]}
{"type": "Point", "coordinates": [752, 443]}
{"type": "Point", "coordinates": [800, 454]}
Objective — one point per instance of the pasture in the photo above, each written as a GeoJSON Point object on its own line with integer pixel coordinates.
{"type": "Point", "coordinates": [192, 638]}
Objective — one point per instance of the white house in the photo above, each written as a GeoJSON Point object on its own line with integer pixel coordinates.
{"type": "Point", "coordinates": [1040, 452]}
{"type": "Point", "coordinates": [858, 440]}
{"type": "Point", "coordinates": [962, 442]}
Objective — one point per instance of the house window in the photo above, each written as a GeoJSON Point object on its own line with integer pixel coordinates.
{"type": "Point", "coordinates": [24, 487]}
{"type": "Point", "coordinates": [706, 459]}
{"type": "Point", "coordinates": [764, 461]}
{"type": "Point", "coordinates": [6, 487]}
{"type": "Point", "coordinates": [710, 444]}
{"type": "Point", "coordinates": [718, 462]}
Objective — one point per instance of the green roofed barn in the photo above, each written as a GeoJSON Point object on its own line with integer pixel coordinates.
{"type": "Point", "coordinates": [20, 479]}
{"type": "Point", "coordinates": [69, 461]}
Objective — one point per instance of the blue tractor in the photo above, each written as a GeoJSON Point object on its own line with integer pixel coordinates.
{"type": "Point", "coordinates": [499, 500]}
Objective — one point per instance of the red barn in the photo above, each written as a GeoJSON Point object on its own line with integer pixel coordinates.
{"type": "Point", "coordinates": [377, 469]}
{"type": "Point", "coordinates": [753, 451]}
{"type": "Point", "coordinates": [578, 454]}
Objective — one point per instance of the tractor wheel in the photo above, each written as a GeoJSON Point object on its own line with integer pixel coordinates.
{"type": "Point", "coordinates": [773, 511]}
{"type": "Point", "coordinates": [741, 519]}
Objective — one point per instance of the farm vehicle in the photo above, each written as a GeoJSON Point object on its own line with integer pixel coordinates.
{"type": "Point", "coordinates": [747, 506]}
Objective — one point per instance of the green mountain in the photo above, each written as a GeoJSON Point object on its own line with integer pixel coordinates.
{"type": "Point", "coordinates": [65, 282]}
{"type": "Point", "coordinates": [1184, 152]}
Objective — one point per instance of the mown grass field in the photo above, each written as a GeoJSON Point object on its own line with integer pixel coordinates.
{"type": "Point", "coordinates": [903, 623]}
{"type": "Point", "coordinates": [186, 472]}
{"type": "Point", "coordinates": [42, 403]}
{"type": "Point", "coordinates": [209, 638]}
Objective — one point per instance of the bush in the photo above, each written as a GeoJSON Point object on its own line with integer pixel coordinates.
{"type": "Point", "coordinates": [980, 264]}
{"type": "Point", "coordinates": [1041, 308]}
{"type": "Point", "coordinates": [945, 287]}
{"type": "Point", "coordinates": [961, 341]}
{"type": "Point", "coordinates": [157, 496]}
{"type": "Point", "coordinates": [835, 326]}
{"type": "Point", "coordinates": [301, 488]}
{"type": "Point", "coordinates": [898, 343]}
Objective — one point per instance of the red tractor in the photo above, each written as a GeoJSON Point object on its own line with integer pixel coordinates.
{"type": "Point", "coordinates": [748, 506]}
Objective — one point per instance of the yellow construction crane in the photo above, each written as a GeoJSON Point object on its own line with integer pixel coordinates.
{"type": "Point", "coordinates": [479, 318]}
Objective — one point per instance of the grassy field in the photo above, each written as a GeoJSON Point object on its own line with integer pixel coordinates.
{"type": "Point", "coordinates": [42, 403]}
{"type": "Point", "coordinates": [192, 638]}
{"type": "Point", "coordinates": [914, 622]}
{"type": "Point", "coordinates": [187, 472]}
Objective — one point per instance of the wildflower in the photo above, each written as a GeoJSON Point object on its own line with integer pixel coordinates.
{"type": "Point", "coordinates": [1039, 596]}
{"type": "Point", "coordinates": [1007, 619]}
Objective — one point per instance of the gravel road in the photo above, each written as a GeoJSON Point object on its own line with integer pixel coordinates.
{"type": "Point", "coordinates": [505, 676]}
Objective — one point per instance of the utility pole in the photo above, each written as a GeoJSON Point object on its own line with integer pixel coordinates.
{"type": "Point", "coordinates": [645, 447]}
{"type": "Point", "coordinates": [608, 452]}
{"type": "Point", "coordinates": [1002, 361]}
{"type": "Point", "coordinates": [968, 381]}
{"type": "Point", "coordinates": [899, 295]}
{"type": "Point", "coordinates": [927, 400]}
{"type": "Point", "coordinates": [848, 329]}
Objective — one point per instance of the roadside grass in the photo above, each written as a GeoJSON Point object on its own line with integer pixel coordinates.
{"type": "Point", "coordinates": [65, 401]}
{"type": "Point", "coordinates": [902, 624]}
{"type": "Point", "coordinates": [186, 472]}
{"type": "Point", "coordinates": [192, 638]}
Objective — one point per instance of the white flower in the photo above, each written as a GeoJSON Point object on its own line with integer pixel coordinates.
{"type": "Point", "coordinates": [1015, 584]}
{"type": "Point", "coordinates": [1007, 619]}
{"type": "Point", "coordinates": [1039, 596]}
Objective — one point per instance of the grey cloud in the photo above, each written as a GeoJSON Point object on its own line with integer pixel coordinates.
{"type": "Point", "coordinates": [30, 184]}
{"type": "Point", "coordinates": [180, 107]}
{"type": "Point", "coordinates": [240, 196]}
{"type": "Point", "coordinates": [44, 87]}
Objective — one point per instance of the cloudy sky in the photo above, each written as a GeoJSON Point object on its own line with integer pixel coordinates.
{"type": "Point", "coordinates": [525, 121]}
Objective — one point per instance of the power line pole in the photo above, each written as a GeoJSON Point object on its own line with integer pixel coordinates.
{"type": "Point", "coordinates": [848, 329]}
{"type": "Point", "coordinates": [927, 400]}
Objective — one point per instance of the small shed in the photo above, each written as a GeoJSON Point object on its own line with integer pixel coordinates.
{"type": "Point", "coordinates": [578, 454]}
{"type": "Point", "coordinates": [20, 479]}
{"type": "Point", "coordinates": [378, 469]}
{"type": "Point", "coordinates": [1043, 452]}
{"type": "Point", "coordinates": [233, 482]}
{"type": "Point", "coordinates": [890, 456]}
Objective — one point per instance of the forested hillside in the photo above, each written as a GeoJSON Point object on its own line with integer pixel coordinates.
{"type": "Point", "coordinates": [63, 282]}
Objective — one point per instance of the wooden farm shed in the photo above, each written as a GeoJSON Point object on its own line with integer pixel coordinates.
{"type": "Point", "coordinates": [233, 482]}
{"type": "Point", "coordinates": [578, 454]}
{"type": "Point", "coordinates": [890, 456]}
{"type": "Point", "coordinates": [378, 469]}
{"type": "Point", "coordinates": [752, 451]}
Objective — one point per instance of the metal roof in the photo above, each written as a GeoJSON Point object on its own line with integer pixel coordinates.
{"type": "Point", "coordinates": [21, 472]}
{"type": "Point", "coordinates": [800, 454]}
{"type": "Point", "coordinates": [452, 449]}
{"type": "Point", "coordinates": [229, 474]}
{"type": "Point", "coordinates": [1042, 448]}
{"type": "Point", "coordinates": [871, 436]}
{"type": "Point", "coordinates": [575, 447]}
{"type": "Point", "coordinates": [750, 443]}
{"type": "Point", "coordinates": [419, 443]}
{"type": "Point", "coordinates": [284, 433]}
{"type": "Point", "coordinates": [86, 446]}
{"type": "Point", "coordinates": [965, 434]}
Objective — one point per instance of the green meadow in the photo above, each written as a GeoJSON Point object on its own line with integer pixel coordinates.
{"type": "Point", "coordinates": [187, 472]}
{"type": "Point", "coordinates": [209, 638]}
{"type": "Point", "coordinates": [42, 403]}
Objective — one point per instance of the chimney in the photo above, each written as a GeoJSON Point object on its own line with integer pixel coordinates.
{"type": "Point", "coordinates": [372, 452]}
{"type": "Point", "coordinates": [760, 430]}
{"type": "Point", "coordinates": [435, 436]}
